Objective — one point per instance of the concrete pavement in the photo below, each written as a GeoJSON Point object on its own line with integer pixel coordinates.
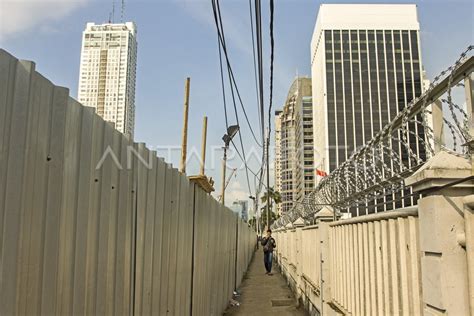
{"type": "Point", "coordinates": [261, 294]}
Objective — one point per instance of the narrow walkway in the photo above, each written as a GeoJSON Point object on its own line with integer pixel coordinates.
{"type": "Point", "coordinates": [261, 294]}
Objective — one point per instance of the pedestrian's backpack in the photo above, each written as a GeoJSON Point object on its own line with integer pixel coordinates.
{"type": "Point", "coordinates": [266, 248]}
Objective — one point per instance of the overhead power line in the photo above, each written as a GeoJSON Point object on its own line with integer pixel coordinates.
{"type": "Point", "coordinates": [259, 177]}
{"type": "Point", "coordinates": [222, 83]}
{"type": "Point", "coordinates": [232, 80]}
{"type": "Point", "coordinates": [258, 65]}
{"type": "Point", "coordinates": [258, 31]}
{"type": "Point", "coordinates": [261, 123]}
{"type": "Point", "coordinates": [272, 50]}
{"type": "Point", "coordinates": [233, 84]}
{"type": "Point", "coordinates": [229, 70]}
{"type": "Point", "coordinates": [258, 36]}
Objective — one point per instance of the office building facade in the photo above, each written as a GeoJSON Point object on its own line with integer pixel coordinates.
{"type": "Point", "coordinates": [366, 67]}
{"type": "Point", "coordinates": [108, 73]}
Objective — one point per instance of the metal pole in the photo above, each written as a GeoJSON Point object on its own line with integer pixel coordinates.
{"type": "Point", "coordinates": [469, 93]}
{"type": "Point", "coordinates": [258, 225]}
{"type": "Point", "coordinates": [256, 215]}
{"type": "Point", "coordinates": [203, 144]}
{"type": "Point", "coordinates": [223, 175]}
{"type": "Point", "coordinates": [268, 179]}
{"type": "Point", "coordinates": [236, 250]}
{"type": "Point", "coordinates": [184, 144]}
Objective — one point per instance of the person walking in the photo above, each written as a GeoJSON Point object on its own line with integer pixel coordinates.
{"type": "Point", "coordinates": [268, 244]}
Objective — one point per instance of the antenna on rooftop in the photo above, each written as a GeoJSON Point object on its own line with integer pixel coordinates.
{"type": "Point", "coordinates": [122, 11]}
{"type": "Point", "coordinates": [112, 14]}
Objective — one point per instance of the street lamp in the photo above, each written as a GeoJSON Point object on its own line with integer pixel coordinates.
{"type": "Point", "coordinates": [227, 138]}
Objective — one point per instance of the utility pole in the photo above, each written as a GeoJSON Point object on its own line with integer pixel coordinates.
{"type": "Point", "coordinates": [227, 138]}
{"type": "Point", "coordinates": [268, 178]}
{"type": "Point", "coordinates": [257, 217]}
{"type": "Point", "coordinates": [224, 159]}
{"type": "Point", "coordinates": [184, 144]}
{"type": "Point", "coordinates": [219, 198]}
{"type": "Point", "coordinates": [258, 225]}
{"type": "Point", "coordinates": [254, 198]}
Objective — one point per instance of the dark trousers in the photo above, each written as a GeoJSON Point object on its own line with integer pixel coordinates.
{"type": "Point", "coordinates": [267, 260]}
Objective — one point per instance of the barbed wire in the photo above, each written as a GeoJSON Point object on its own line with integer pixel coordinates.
{"type": "Point", "coordinates": [377, 170]}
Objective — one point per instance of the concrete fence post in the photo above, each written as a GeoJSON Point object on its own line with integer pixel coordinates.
{"type": "Point", "coordinates": [442, 214]}
{"type": "Point", "coordinates": [322, 219]}
{"type": "Point", "coordinates": [298, 225]}
{"type": "Point", "coordinates": [469, 245]}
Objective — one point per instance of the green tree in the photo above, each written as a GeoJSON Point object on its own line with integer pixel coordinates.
{"type": "Point", "coordinates": [263, 218]}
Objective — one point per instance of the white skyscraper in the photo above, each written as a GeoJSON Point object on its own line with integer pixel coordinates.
{"type": "Point", "coordinates": [108, 72]}
{"type": "Point", "coordinates": [294, 172]}
{"type": "Point", "coordinates": [366, 67]}
{"type": "Point", "coordinates": [277, 164]}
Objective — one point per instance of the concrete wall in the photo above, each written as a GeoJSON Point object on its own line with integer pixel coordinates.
{"type": "Point", "coordinates": [376, 264]}
{"type": "Point", "coordinates": [131, 237]}
{"type": "Point", "coordinates": [369, 265]}
{"type": "Point", "coordinates": [413, 261]}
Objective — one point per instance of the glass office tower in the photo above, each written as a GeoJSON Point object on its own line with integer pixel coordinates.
{"type": "Point", "coordinates": [366, 67]}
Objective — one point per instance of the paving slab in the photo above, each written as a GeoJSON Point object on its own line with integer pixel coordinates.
{"type": "Point", "coordinates": [261, 294]}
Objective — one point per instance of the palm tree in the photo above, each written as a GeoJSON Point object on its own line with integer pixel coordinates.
{"type": "Point", "coordinates": [273, 197]}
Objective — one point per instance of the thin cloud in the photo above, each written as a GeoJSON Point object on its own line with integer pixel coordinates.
{"type": "Point", "coordinates": [17, 16]}
{"type": "Point", "coordinates": [235, 192]}
{"type": "Point", "coordinates": [236, 25]}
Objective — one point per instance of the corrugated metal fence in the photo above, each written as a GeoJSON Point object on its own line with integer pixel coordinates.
{"type": "Point", "coordinates": [131, 237]}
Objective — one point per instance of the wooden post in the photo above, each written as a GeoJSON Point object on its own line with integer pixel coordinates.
{"type": "Point", "coordinates": [184, 145]}
{"type": "Point", "coordinates": [203, 145]}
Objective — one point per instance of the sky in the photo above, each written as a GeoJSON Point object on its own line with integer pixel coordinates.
{"type": "Point", "coordinates": [177, 39]}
